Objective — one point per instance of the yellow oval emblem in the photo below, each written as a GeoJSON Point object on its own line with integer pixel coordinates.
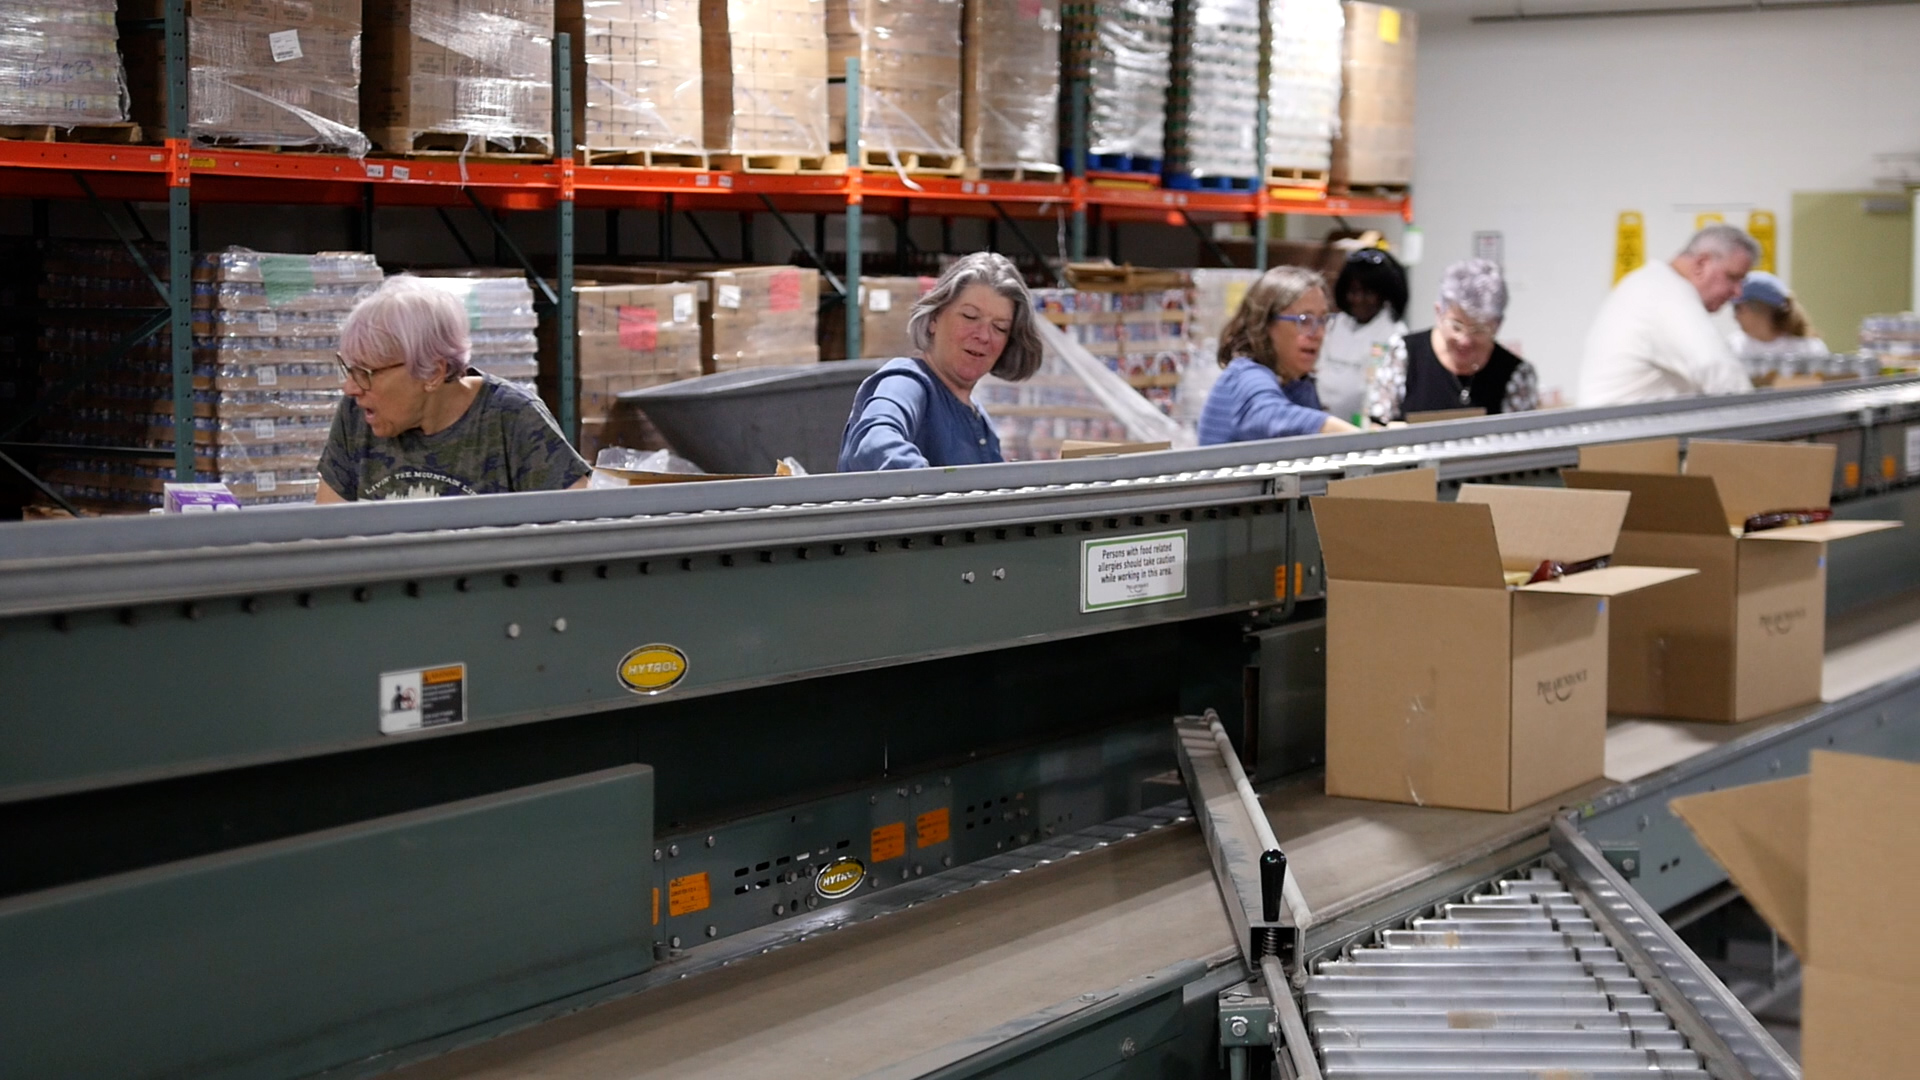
{"type": "Point", "coordinates": [839, 877]}
{"type": "Point", "coordinates": [653, 669]}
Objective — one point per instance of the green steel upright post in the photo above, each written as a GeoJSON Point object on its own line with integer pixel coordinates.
{"type": "Point", "coordinates": [563, 240]}
{"type": "Point", "coordinates": [179, 243]}
{"type": "Point", "coordinates": [854, 157]}
{"type": "Point", "coordinates": [1077, 152]}
{"type": "Point", "coordinates": [1261, 120]}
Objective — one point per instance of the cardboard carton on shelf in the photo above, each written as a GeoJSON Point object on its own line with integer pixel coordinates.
{"type": "Point", "coordinates": [1746, 637]}
{"type": "Point", "coordinates": [885, 305]}
{"type": "Point", "coordinates": [1445, 685]}
{"type": "Point", "coordinates": [1374, 142]}
{"type": "Point", "coordinates": [750, 316]}
{"type": "Point", "coordinates": [1819, 856]}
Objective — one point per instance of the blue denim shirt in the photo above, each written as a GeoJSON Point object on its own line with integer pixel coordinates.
{"type": "Point", "coordinates": [904, 417]}
{"type": "Point", "coordinates": [1250, 402]}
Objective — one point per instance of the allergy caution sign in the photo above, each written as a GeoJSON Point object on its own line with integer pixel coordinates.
{"type": "Point", "coordinates": [1133, 570]}
{"type": "Point", "coordinates": [653, 669]}
{"type": "Point", "coordinates": [423, 698]}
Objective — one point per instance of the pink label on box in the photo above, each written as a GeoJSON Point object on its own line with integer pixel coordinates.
{"type": "Point", "coordinates": [639, 329]}
{"type": "Point", "coordinates": [783, 292]}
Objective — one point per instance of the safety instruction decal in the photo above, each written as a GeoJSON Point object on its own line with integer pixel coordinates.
{"type": "Point", "coordinates": [889, 841]}
{"type": "Point", "coordinates": [423, 698]}
{"type": "Point", "coordinates": [652, 669]}
{"type": "Point", "coordinates": [1133, 570]}
{"type": "Point", "coordinates": [932, 828]}
{"type": "Point", "coordinates": [686, 895]}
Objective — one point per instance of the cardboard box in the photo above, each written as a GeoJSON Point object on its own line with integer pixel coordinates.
{"type": "Point", "coordinates": [478, 71]}
{"type": "Point", "coordinates": [1822, 857]}
{"type": "Point", "coordinates": [1445, 686]}
{"type": "Point", "coordinates": [1010, 84]}
{"type": "Point", "coordinates": [764, 76]}
{"type": "Point", "coordinates": [1374, 143]}
{"type": "Point", "coordinates": [1746, 637]}
{"type": "Point", "coordinates": [909, 52]}
{"type": "Point", "coordinates": [636, 76]}
{"type": "Point", "coordinates": [886, 303]}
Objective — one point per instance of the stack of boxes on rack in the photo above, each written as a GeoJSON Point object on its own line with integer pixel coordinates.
{"type": "Point", "coordinates": [1303, 99]}
{"type": "Point", "coordinates": [1374, 147]}
{"type": "Point", "coordinates": [60, 63]}
{"type": "Point", "coordinates": [764, 74]}
{"type": "Point", "coordinates": [1124, 49]}
{"type": "Point", "coordinates": [266, 380]}
{"type": "Point", "coordinates": [909, 53]}
{"type": "Point", "coordinates": [1211, 118]}
{"type": "Point", "coordinates": [460, 75]}
{"type": "Point", "coordinates": [262, 73]}
{"type": "Point", "coordinates": [501, 321]}
{"type": "Point", "coordinates": [1135, 321]}
{"type": "Point", "coordinates": [885, 305]}
{"type": "Point", "coordinates": [1010, 96]}
{"type": "Point", "coordinates": [636, 80]}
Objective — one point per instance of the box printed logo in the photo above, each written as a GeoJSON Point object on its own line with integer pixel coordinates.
{"type": "Point", "coordinates": [1559, 690]}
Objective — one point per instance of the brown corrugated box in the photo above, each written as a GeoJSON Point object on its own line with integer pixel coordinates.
{"type": "Point", "coordinates": [1010, 84]}
{"type": "Point", "coordinates": [1821, 858]}
{"type": "Point", "coordinates": [764, 76]}
{"type": "Point", "coordinates": [909, 52]}
{"type": "Point", "coordinates": [1375, 142]}
{"type": "Point", "coordinates": [750, 316]}
{"type": "Point", "coordinates": [1746, 636]}
{"type": "Point", "coordinates": [886, 303]}
{"type": "Point", "coordinates": [636, 74]}
{"type": "Point", "coordinates": [1445, 687]}
{"type": "Point", "coordinates": [479, 70]}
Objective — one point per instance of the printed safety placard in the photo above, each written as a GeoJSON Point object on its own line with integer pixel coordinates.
{"type": "Point", "coordinates": [423, 698]}
{"type": "Point", "coordinates": [1133, 570]}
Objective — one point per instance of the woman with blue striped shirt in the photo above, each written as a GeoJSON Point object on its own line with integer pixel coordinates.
{"type": "Point", "coordinates": [1269, 348]}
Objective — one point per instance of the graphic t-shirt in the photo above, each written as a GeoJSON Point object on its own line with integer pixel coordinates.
{"type": "Point", "coordinates": [505, 441]}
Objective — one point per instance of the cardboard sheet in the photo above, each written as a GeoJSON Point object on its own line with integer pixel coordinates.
{"type": "Point", "coordinates": [1661, 456]}
{"type": "Point", "coordinates": [1756, 477]}
{"type": "Point", "coordinates": [1416, 543]}
{"type": "Point", "coordinates": [1668, 504]}
{"type": "Point", "coordinates": [1611, 580]}
{"type": "Point", "coordinates": [1534, 524]}
{"type": "Point", "coordinates": [1758, 834]}
{"type": "Point", "coordinates": [1414, 485]}
{"type": "Point", "coordinates": [1822, 532]}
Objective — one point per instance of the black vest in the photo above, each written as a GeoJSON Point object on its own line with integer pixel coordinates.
{"type": "Point", "coordinates": [1432, 388]}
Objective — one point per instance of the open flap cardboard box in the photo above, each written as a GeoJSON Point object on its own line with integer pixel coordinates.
{"type": "Point", "coordinates": [1747, 636]}
{"type": "Point", "coordinates": [1445, 686]}
{"type": "Point", "coordinates": [1823, 858]}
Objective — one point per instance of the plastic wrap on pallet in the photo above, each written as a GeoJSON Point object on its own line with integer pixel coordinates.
{"type": "Point", "coordinates": [1303, 100]}
{"type": "Point", "coordinates": [636, 75]}
{"type": "Point", "coordinates": [1375, 142]}
{"type": "Point", "coordinates": [1893, 341]}
{"type": "Point", "coordinates": [1074, 396]}
{"type": "Point", "coordinates": [1010, 100]}
{"type": "Point", "coordinates": [501, 321]}
{"type": "Point", "coordinates": [764, 76]}
{"type": "Point", "coordinates": [1124, 49]}
{"type": "Point", "coordinates": [60, 64]}
{"type": "Point", "coordinates": [1211, 118]}
{"type": "Point", "coordinates": [909, 52]}
{"type": "Point", "coordinates": [470, 75]}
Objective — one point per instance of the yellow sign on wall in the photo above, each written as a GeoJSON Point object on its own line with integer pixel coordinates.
{"type": "Point", "coordinates": [1711, 217]}
{"type": "Point", "coordinates": [1629, 244]}
{"type": "Point", "coordinates": [1765, 231]}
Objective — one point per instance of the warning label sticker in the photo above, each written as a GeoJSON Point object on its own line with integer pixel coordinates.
{"type": "Point", "coordinates": [930, 828]}
{"type": "Point", "coordinates": [1133, 570]}
{"type": "Point", "coordinates": [889, 841]}
{"type": "Point", "coordinates": [686, 895]}
{"type": "Point", "coordinates": [423, 698]}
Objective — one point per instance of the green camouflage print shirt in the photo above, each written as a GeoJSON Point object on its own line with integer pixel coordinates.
{"type": "Point", "coordinates": [505, 441]}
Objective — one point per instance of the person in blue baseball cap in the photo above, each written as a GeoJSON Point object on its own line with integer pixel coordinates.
{"type": "Point", "coordinates": [1773, 327]}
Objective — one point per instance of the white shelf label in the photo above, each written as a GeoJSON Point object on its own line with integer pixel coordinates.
{"type": "Point", "coordinates": [285, 45]}
{"type": "Point", "coordinates": [266, 376]}
{"type": "Point", "coordinates": [729, 296]}
{"type": "Point", "coordinates": [268, 322]}
{"type": "Point", "coordinates": [1913, 449]}
{"type": "Point", "coordinates": [264, 482]}
{"type": "Point", "coordinates": [1133, 570]}
{"type": "Point", "coordinates": [880, 300]}
{"type": "Point", "coordinates": [682, 307]}
{"type": "Point", "coordinates": [263, 429]}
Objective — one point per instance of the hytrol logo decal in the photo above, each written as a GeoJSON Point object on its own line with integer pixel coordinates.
{"type": "Point", "coordinates": [1783, 622]}
{"type": "Point", "coordinates": [653, 669]}
{"type": "Point", "coordinates": [839, 877]}
{"type": "Point", "coordinates": [1560, 689]}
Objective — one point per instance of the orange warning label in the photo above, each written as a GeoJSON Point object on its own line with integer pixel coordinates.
{"type": "Point", "coordinates": [686, 895]}
{"type": "Point", "coordinates": [436, 676]}
{"type": "Point", "coordinates": [889, 841]}
{"type": "Point", "coordinates": [1280, 582]}
{"type": "Point", "coordinates": [930, 828]}
{"type": "Point", "coordinates": [656, 907]}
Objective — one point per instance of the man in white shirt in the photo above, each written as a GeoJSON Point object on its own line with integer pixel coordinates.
{"type": "Point", "coordinates": [1653, 339]}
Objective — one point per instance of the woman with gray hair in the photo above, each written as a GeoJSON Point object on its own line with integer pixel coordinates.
{"type": "Point", "coordinates": [1457, 364]}
{"type": "Point", "coordinates": [917, 411]}
{"type": "Point", "coordinates": [417, 422]}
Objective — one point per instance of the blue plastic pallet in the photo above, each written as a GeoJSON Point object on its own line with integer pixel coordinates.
{"type": "Point", "coordinates": [1189, 182]}
{"type": "Point", "coordinates": [1123, 163]}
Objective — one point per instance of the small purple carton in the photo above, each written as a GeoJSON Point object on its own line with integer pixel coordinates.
{"type": "Point", "coordinates": [199, 498]}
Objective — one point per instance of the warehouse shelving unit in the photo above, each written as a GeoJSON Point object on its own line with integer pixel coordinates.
{"type": "Point", "coordinates": [181, 176]}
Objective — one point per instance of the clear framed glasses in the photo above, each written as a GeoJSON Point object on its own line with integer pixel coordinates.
{"type": "Point", "coordinates": [1307, 323]}
{"type": "Point", "coordinates": [1472, 331]}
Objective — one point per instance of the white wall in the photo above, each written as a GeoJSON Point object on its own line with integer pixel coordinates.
{"type": "Point", "coordinates": [1546, 131]}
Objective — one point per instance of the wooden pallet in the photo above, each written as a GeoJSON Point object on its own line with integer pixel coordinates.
{"type": "Point", "coordinates": [124, 133]}
{"type": "Point", "coordinates": [442, 144]}
{"type": "Point", "coordinates": [647, 159]}
{"type": "Point", "coordinates": [1286, 176]}
{"type": "Point", "coordinates": [1032, 174]}
{"type": "Point", "coordinates": [1368, 191]}
{"type": "Point", "coordinates": [793, 164]}
{"type": "Point", "coordinates": [923, 162]}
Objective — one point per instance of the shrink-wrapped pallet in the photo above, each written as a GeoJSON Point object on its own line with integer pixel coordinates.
{"type": "Point", "coordinates": [1374, 147]}
{"type": "Point", "coordinates": [60, 63]}
{"type": "Point", "coordinates": [636, 79]}
{"type": "Point", "coordinates": [1010, 95]}
{"type": "Point", "coordinates": [909, 53]}
{"type": "Point", "coordinates": [1211, 111]}
{"type": "Point", "coordinates": [501, 321]}
{"type": "Point", "coordinates": [460, 75]}
{"type": "Point", "coordinates": [260, 73]}
{"type": "Point", "coordinates": [764, 75]}
{"type": "Point", "coordinates": [1124, 49]}
{"type": "Point", "coordinates": [1303, 99]}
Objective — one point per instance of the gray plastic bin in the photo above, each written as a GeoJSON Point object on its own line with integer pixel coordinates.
{"type": "Point", "coordinates": [743, 421]}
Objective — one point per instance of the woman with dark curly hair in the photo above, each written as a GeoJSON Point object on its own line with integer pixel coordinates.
{"type": "Point", "coordinates": [1371, 297]}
